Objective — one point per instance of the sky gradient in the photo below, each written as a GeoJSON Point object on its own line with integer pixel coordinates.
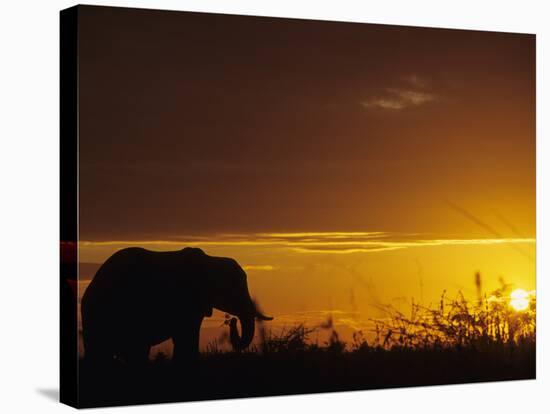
{"type": "Point", "coordinates": [341, 164]}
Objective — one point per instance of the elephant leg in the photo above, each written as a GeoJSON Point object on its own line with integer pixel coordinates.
{"type": "Point", "coordinates": [186, 342]}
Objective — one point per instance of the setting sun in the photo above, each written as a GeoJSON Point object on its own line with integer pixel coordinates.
{"type": "Point", "coordinates": [519, 300]}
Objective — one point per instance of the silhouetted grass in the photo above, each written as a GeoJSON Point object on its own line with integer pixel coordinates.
{"type": "Point", "coordinates": [487, 324]}
{"type": "Point", "coordinates": [454, 341]}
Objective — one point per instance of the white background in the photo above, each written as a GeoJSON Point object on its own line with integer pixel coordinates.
{"type": "Point", "coordinates": [29, 193]}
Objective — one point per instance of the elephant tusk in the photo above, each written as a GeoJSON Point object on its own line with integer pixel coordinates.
{"type": "Point", "coordinates": [260, 316]}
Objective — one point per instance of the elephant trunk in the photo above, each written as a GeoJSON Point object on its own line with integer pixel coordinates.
{"type": "Point", "coordinates": [247, 318]}
{"type": "Point", "coordinates": [247, 328]}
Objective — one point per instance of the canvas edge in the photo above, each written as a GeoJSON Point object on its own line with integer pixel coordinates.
{"type": "Point", "coordinates": [68, 127]}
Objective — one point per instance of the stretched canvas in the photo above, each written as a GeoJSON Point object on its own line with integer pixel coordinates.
{"type": "Point", "coordinates": [256, 206]}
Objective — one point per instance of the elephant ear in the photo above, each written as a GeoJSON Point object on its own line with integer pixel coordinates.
{"type": "Point", "coordinates": [194, 261]}
{"type": "Point", "coordinates": [204, 300]}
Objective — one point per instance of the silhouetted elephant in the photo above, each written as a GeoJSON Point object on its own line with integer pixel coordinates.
{"type": "Point", "coordinates": [139, 298]}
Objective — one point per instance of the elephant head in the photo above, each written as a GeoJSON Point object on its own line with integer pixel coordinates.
{"type": "Point", "coordinates": [227, 290]}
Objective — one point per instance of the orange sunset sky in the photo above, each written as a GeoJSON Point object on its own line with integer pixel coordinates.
{"type": "Point", "coordinates": [342, 165]}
